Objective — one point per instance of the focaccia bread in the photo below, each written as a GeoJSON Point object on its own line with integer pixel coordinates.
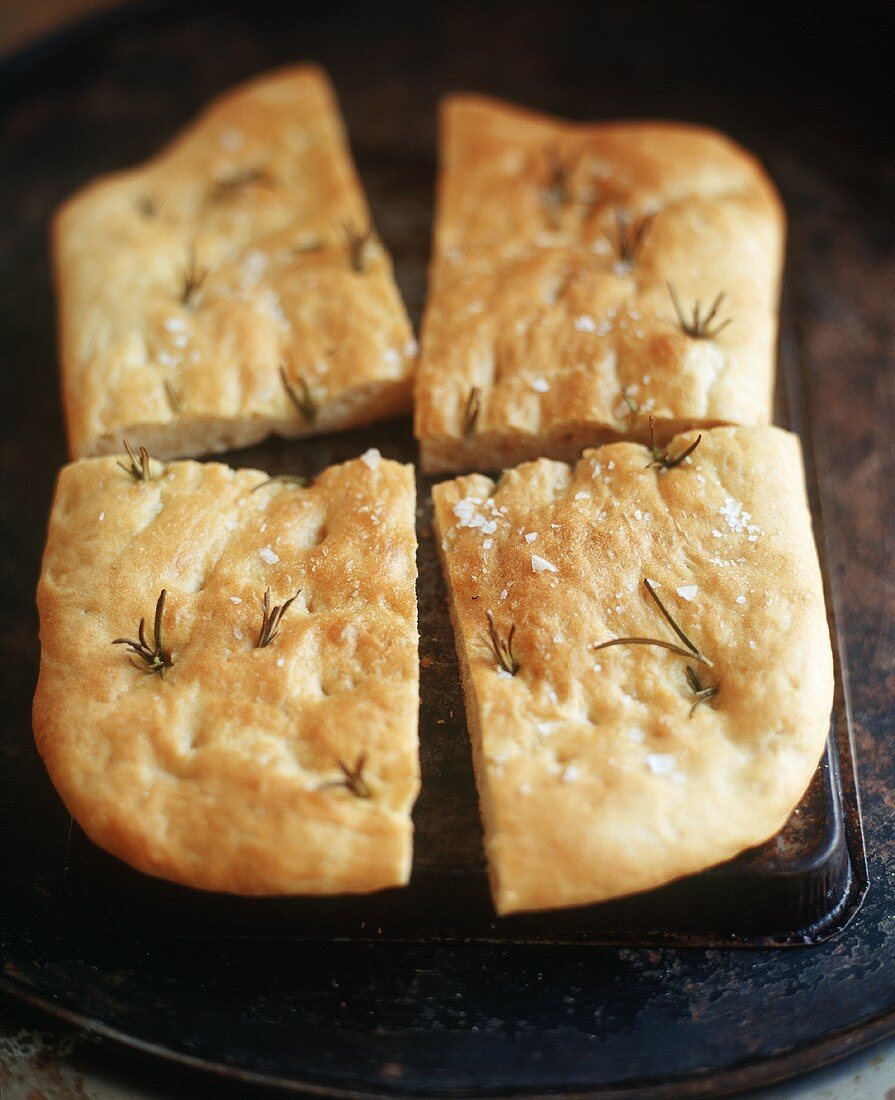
{"type": "Point", "coordinates": [211, 760]}
{"type": "Point", "coordinates": [228, 288]}
{"type": "Point", "coordinates": [606, 770]}
{"type": "Point", "coordinates": [567, 262]}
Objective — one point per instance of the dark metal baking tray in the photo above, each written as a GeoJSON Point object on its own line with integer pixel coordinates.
{"type": "Point", "coordinates": [420, 991]}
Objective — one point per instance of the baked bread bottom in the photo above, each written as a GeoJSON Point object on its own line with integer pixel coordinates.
{"type": "Point", "coordinates": [287, 768]}
{"type": "Point", "coordinates": [607, 771]}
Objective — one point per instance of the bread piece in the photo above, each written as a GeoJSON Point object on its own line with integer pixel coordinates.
{"type": "Point", "coordinates": [185, 284]}
{"type": "Point", "coordinates": [226, 773]}
{"type": "Point", "coordinates": [549, 303]}
{"type": "Point", "coordinates": [595, 779]}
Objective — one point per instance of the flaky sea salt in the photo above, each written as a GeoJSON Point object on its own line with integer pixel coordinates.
{"type": "Point", "coordinates": [660, 763]}
{"type": "Point", "coordinates": [541, 565]}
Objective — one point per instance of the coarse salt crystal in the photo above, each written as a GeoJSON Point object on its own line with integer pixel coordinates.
{"type": "Point", "coordinates": [687, 591]}
{"type": "Point", "coordinates": [487, 544]}
{"type": "Point", "coordinates": [541, 565]}
{"type": "Point", "coordinates": [571, 773]}
{"type": "Point", "coordinates": [230, 139]}
{"type": "Point", "coordinates": [741, 599]}
{"type": "Point", "coordinates": [268, 555]}
{"type": "Point", "coordinates": [102, 516]}
{"type": "Point", "coordinates": [540, 385]}
{"type": "Point", "coordinates": [531, 536]}
{"type": "Point", "coordinates": [235, 599]}
{"type": "Point", "coordinates": [585, 323]}
{"type": "Point", "coordinates": [371, 458]}
{"type": "Point", "coordinates": [660, 763]}
{"type": "Point", "coordinates": [582, 496]}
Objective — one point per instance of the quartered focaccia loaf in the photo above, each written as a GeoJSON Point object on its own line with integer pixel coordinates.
{"type": "Point", "coordinates": [604, 771]}
{"type": "Point", "coordinates": [284, 768]}
{"type": "Point", "coordinates": [228, 288]}
{"type": "Point", "coordinates": [568, 262]}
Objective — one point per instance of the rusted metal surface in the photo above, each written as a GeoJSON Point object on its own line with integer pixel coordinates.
{"type": "Point", "coordinates": [433, 1016]}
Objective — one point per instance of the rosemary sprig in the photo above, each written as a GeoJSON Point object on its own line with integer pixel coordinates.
{"type": "Point", "coordinates": [230, 186]}
{"type": "Point", "coordinates": [147, 205]}
{"type": "Point", "coordinates": [699, 326]}
{"type": "Point", "coordinates": [173, 399]}
{"type": "Point", "coordinates": [630, 402]}
{"type": "Point", "coordinates": [502, 648]}
{"type": "Point", "coordinates": [663, 458]}
{"type": "Point", "coordinates": [271, 618]}
{"type": "Point", "coordinates": [155, 657]}
{"type": "Point", "coordinates": [353, 779]}
{"type": "Point", "coordinates": [702, 694]}
{"type": "Point", "coordinates": [690, 651]}
{"type": "Point", "coordinates": [139, 468]}
{"type": "Point", "coordinates": [471, 412]}
{"type": "Point", "coordinates": [285, 479]}
{"type": "Point", "coordinates": [629, 237]}
{"type": "Point", "coordinates": [557, 194]}
{"type": "Point", "coordinates": [301, 397]}
{"type": "Point", "coordinates": [193, 280]}
{"type": "Point", "coordinates": [358, 245]}
{"type": "Point", "coordinates": [306, 247]}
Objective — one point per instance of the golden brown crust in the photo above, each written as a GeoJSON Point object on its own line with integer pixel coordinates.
{"type": "Point", "coordinates": [218, 775]}
{"type": "Point", "coordinates": [594, 780]}
{"type": "Point", "coordinates": [531, 304]}
{"type": "Point", "coordinates": [245, 216]}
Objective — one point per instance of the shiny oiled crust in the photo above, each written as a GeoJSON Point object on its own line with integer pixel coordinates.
{"type": "Point", "coordinates": [252, 200]}
{"type": "Point", "coordinates": [531, 305]}
{"type": "Point", "coordinates": [594, 780]}
{"type": "Point", "coordinates": [225, 774]}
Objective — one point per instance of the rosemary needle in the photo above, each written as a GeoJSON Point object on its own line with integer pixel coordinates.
{"type": "Point", "coordinates": [471, 412]}
{"type": "Point", "coordinates": [662, 458]}
{"type": "Point", "coordinates": [699, 325]}
{"type": "Point", "coordinates": [352, 779]}
{"type": "Point", "coordinates": [271, 617]}
{"type": "Point", "coordinates": [502, 648]}
{"type": "Point", "coordinates": [154, 658]}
